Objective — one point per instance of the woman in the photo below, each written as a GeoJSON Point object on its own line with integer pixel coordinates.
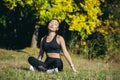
{"type": "Point", "coordinates": [52, 44]}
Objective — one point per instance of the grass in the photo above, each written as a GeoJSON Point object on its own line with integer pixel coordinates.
{"type": "Point", "coordinates": [14, 66]}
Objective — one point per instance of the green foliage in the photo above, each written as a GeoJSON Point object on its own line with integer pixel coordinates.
{"type": "Point", "coordinates": [82, 18]}
{"type": "Point", "coordinates": [85, 22]}
{"type": "Point", "coordinates": [11, 4]}
{"type": "Point", "coordinates": [15, 25]}
{"type": "Point", "coordinates": [111, 28]}
{"type": "Point", "coordinates": [96, 46]}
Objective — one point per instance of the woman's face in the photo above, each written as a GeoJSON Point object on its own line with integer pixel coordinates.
{"type": "Point", "coordinates": [53, 25]}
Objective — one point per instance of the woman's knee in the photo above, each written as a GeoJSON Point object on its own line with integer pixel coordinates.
{"type": "Point", "coordinates": [30, 59]}
{"type": "Point", "coordinates": [59, 65]}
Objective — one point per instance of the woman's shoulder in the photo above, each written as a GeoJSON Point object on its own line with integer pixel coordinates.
{"type": "Point", "coordinates": [43, 37]}
{"type": "Point", "coordinates": [60, 37]}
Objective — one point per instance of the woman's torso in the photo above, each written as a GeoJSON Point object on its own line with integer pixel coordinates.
{"type": "Point", "coordinates": [52, 47]}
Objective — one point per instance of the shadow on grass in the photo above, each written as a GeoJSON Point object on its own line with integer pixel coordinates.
{"type": "Point", "coordinates": [24, 68]}
{"type": "Point", "coordinates": [21, 68]}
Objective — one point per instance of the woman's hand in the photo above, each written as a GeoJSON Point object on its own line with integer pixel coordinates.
{"type": "Point", "coordinates": [74, 69]}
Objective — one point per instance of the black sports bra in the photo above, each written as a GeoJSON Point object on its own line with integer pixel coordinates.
{"type": "Point", "coordinates": [52, 46]}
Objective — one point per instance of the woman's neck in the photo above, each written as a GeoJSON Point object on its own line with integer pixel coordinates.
{"type": "Point", "coordinates": [51, 34]}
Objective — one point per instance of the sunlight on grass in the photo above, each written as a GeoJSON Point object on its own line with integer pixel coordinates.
{"type": "Point", "coordinates": [14, 66]}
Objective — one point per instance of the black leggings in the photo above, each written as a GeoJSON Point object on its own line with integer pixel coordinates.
{"type": "Point", "coordinates": [49, 63]}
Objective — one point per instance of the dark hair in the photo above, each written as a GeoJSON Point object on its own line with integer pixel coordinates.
{"type": "Point", "coordinates": [55, 19]}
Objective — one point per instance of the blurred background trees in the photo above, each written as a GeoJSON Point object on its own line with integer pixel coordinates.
{"type": "Point", "coordinates": [90, 27]}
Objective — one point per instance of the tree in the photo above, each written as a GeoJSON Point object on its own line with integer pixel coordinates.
{"type": "Point", "coordinates": [81, 16]}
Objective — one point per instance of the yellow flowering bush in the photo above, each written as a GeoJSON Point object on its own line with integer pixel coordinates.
{"type": "Point", "coordinates": [87, 21]}
{"type": "Point", "coordinates": [82, 18]}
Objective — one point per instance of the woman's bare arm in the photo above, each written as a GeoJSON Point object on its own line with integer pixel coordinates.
{"type": "Point", "coordinates": [40, 56]}
{"type": "Point", "coordinates": [66, 54]}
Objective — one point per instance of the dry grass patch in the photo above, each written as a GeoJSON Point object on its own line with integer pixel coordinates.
{"type": "Point", "coordinates": [14, 66]}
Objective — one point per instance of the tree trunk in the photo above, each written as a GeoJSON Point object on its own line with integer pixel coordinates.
{"type": "Point", "coordinates": [35, 37]}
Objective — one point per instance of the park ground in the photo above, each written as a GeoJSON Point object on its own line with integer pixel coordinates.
{"type": "Point", "coordinates": [14, 66]}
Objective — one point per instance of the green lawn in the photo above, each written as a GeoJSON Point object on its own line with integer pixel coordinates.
{"type": "Point", "coordinates": [14, 66]}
